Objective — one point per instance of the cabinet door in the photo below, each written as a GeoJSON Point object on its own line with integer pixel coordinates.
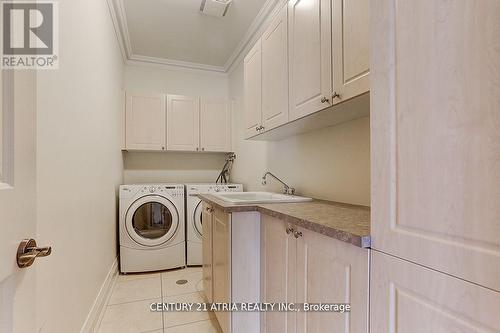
{"type": "Point", "coordinates": [410, 298]}
{"type": "Point", "coordinates": [277, 272]}
{"type": "Point", "coordinates": [215, 125]}
{"type": "Point", "coordinates": [183, 123]}
{"type": "Point", "coordinates": [331, 271]}
{"type": "Point", "coordinates": [207, 226]}
{"type": "Point", "coordinates": [435, 135]}
{"type": "Point", "coordinates": [145, 122]}
{"type": "Point", "coordinates": [351, 48]}
{"type": "Point", "coordinates": [252, 68]}
{"type": "Point", "coordinates": [310, 56]}
{"type": "Point", "coordinates": [222, 265]}
{"type": "Point", "coordinates": [275, 72]}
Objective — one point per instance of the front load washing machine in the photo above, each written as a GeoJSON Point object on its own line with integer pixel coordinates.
{"type": "Point", "coordinates": [194, 217]}
{"type": "Point", "coordinates": [151, 227]}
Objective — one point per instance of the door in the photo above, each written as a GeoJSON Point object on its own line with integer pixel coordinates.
{"type": "Point", "coordinates": [183, 123]}
{"type": "Point", "coordinates": [278, 248]}
{"type": "Point", "coordinates": [222, 265]}
{"type": "Point", "coordinates": [215, 125]}
{"type": "Point", "coordinates": [409, 298]}
{"type": "Point", "coordinates": [207, 217]}
{"type": "Point", "coordinates": [145, 122]}
{"type": "Point", "coordinates": [152, 220]}
{"type": "Point", "coordinates": [331, 271]}
{"type": "Point", "coordinates": [17, 198]}
{"type": "Point", "coordinates": [252, 73]}
{"type": "Point", "coordinates": [275, 72]}
{"type": "Point", "coordinates": [435, 135]}
{"type": "Point", "coordinates": [351, 48]}
{"type": "Point", "coordinates": [310, 54]}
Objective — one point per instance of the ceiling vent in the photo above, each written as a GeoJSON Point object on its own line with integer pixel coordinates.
{"type": "Point", "coordinates": [217, 8]}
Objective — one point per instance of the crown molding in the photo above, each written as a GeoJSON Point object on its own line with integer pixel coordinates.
{"type": "Point", "coordinates": [173, 64]}
{"type": "Point", "coordinates": [253, 32]}
{"type": "Point", "coordinates": [119, 19]}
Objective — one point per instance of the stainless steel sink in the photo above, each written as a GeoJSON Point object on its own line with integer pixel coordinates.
{"type": "Point", "coordinates": [258, 197]}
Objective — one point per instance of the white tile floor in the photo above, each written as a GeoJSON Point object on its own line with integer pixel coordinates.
{"type": "Point", "coordinates": [128, 308]}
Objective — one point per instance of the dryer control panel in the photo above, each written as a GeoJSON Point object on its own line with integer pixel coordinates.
{"type": "Point", "coordinates": [144, 189]}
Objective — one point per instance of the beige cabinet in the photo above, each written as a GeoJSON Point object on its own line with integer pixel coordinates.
{"type": "Point", "coordinates": [215, 125]}
{"type": "Point", "coordinates": [351, 48]}
{"type": "Point", "coordinates": [302, 266]}
{"type": "Point", "coordinates": [221, 259]}
{"type": "Point", "coordinates": [207, 217]}
{"type": "Point", "coordinates": [435, 135]}
{"type": "Point", "coordinates": [409, 298]}
{"type": "Point", "coordinates": [252, 73]}
{"type": "Point", "coordinates": [275, 72]}
{"type": "Point", "coordinates": [277, 272]}
{"type": "Point", "coordinates": [183, 123]}
{"type": "Point", "coordinates": [217, 260]}
{"type": "Point", "coordinates": [145, 121]}
{"type": "Point", "coordinates": [310, 54]}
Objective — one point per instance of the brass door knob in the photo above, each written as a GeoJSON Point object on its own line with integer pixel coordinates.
{"type": "Point", "coordinates": [27, 252]}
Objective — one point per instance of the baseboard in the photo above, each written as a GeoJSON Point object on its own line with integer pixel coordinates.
{"type": "Point", "coordinates": [97, 311]}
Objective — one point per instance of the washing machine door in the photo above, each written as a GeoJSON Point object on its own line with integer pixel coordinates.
{"type": "Point", "coordinates": [152, 220]}
{"type": "Point", "coordinates": [198, 219]}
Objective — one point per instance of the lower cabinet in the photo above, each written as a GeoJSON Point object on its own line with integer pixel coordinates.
{"type": "Point", "coordinates": [221, 258]}
{"type": "Point", "coordinates": [231, 265]}
{"type": "Point", "coordinates": [301, 266]}
{"type": "Point", "coordinates": [410, 298]}
{"type": "Point", "coordinates": [206, 217]}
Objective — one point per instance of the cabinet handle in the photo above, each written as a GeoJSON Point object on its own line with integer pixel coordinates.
{"type": "Point", "coordinates": [197, 148]}
{"type": "Point", "coordinates": [202, 149]}
{"type": "Point", "coordinates": [297, 234]}
{"type": "Point", "coordinates": [324, 99]}
{"type": "Point", "coordinates": [289, 230]}
{"type": "Point", "coordinates": [162, 148]}
{"type": "Point", "coordinates": [335, 95]}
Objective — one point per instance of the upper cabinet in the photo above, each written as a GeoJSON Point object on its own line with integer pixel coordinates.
{"type": "Point", "coordinates": [275, 72]}
{"type": "Point", "coordinates": [351, 48]}
{"type": "Point", "coordinates": [215, 125]}
{"type": "Point", "coordinates": [313, 56]}
{"type": "Point", "coordinates": [253, 90]}
{"type": "Point", "coordinates": [183, 123]}
{"type": "Point", "coordinates": [145, 122]}
{"type": "Point", "coordinates": [310, 56]}
{"type": "Point", "coordinates": [177, 123]}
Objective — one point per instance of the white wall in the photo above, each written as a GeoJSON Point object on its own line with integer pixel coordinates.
{"type": "Point", "coordinates": [331, 164]}
{"type": "Point", "coordinates": [173, 167]}
{"type": "Point", "coordinates": [79, 165]}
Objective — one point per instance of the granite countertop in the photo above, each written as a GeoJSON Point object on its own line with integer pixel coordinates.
{"type": "Point", "coordinates": [345, 222]}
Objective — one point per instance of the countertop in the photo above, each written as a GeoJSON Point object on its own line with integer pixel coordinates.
{"type": "Point", "coordinates": [345, 222]}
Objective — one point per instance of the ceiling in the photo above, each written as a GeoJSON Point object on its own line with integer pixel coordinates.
{"type": "Point", "coordinates": [176, 30]}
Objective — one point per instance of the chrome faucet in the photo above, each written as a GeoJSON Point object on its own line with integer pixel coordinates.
{"type": "Point", "coordinates": [286, 189]}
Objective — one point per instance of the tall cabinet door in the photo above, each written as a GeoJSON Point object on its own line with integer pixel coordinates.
{"type": "Point", "coordinates": [435, 135]}
{"type": "Point", "coordinates": [215, 125]}
{"type": "Point", "coordinates": [277, 272]}
{"type": "Point", "coordinates": [207, 227]}
{"type": "Point", "coordinates": [145, 121]}
{"type": "Point", "coordinates": [183, 123]}
{"type": "Point", "coordinates": [310, 54]}
{"type": "Point", "coordinates": [252, 71]}
{"type": "Point", "coordinates": [409, 298]}
{"type": "Point", "coordinates": [351, 48]}
{"type": "Point", "coordinates": [331, 271]}
{"type": "Point", "coordinates": [275, 72]}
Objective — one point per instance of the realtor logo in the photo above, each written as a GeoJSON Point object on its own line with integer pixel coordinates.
{"type": "Point", "coordinates": [29, 35]}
